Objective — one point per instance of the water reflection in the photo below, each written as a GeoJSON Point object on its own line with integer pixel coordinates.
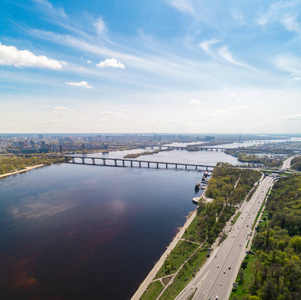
{"type": "Point", "coordinates": [73, 231]}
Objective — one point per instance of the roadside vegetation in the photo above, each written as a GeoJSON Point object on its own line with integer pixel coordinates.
{"type": "Point", "coordinates": [227, 187]}
{"type": "Point", "coordinates": [274, 272]}
{"type": "Point", "coordinates": [236, 217]}
{"type": "Point", "coordinates": [186, 274]}
{"type": "Point", "coordinates": [296, 163]}
{"type": "Point", "coordinates": [177, 256]}
{"type": "Point", "coordinates": [153, 290]}
{"type": "Point", "coordinates": [17, 163]}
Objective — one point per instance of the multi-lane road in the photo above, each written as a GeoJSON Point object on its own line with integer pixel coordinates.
{"type": "Point", "coordinates": [215, 279]}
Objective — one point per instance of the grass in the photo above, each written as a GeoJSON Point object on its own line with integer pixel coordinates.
{"type": "Point", "coordinates": [224, 236]}
{"type": "Point", "coordinates": [236, 217]}
{"type": "Point", "coordinates": [258, 214]}
{"type": "Point", "coordinates": [191, 232]}
{"type": "Point", "coordinates": [248, 243]}
{"type": "Point", "coordinates": [185, 275]}
{"type": "Point", "coordinates": [252, 193]}
{"type": "Point", "coordinates": [166, 280]}
{"type": "Point", "coordinates": [243, 287]}
{"type": "Point", "coordinates": [177, 256]}
{"type": "Point", "coordinates": [153, 291]}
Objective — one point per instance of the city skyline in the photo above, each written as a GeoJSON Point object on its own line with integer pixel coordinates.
{"type": "Point", "coordinates": [173, 66]}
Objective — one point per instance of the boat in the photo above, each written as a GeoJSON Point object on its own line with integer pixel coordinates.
{"type": "Point", "coordinates": [195, 200]}
{"type": "Point", "coordinates": [203, 187]}
{"type": "Point", "coordinates": [197, 186]}
{"type": "Point", "coordinates": [206, 173]}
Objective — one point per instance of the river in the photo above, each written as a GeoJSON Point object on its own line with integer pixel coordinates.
{"type": "Point", "coordinates": [89, 232]}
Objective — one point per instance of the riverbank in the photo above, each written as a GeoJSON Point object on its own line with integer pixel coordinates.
{"type": "Point", "coordinates": [22, 171]}
{"type": "Point", "coordinates": [142, 288]}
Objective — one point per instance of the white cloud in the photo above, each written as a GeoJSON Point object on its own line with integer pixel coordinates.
{"type": "Point", "coordinates": [237, 15]}
{"type": "Point", "coordinates": [182, 5]}
{"type": "Point", "coordinates": [291, 23]}
{"type": "Point", "coordinates": [289, 63]}
{"type": "Point", "coordinates": [206, 46]}
{"type": "Point", "coordinates": [226, 54]}
{"type": "Point", "coordinates": [47, 7]}
{"type": "Point", "coordinates": [270, 15]}
{"type": "Point", "coordinates": [60, 108]}
{"type": "Point", "coordinates": [82, 84]}
{"type": "Point", "coordinates": [235, 108]}
{"type": "Point", "coordinates": [89, 61]}
{"type": "Point", "coordinates": [11, 56]}
{"type": "Point", "coordinates": [100, 26]}
{"type": "Point", "coordinates": [194, 101]}
{"type": "Point", "coordinates": [111, 63]}
{"type": "Point", "coordinates": [292, 117]}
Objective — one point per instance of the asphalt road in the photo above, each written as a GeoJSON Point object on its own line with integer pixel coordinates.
{"type": "Point", "coordinates": [216, 277]}
{"type": "Point", "coordinates": [287, 163]}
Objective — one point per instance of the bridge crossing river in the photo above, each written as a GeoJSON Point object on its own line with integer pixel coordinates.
{"type": "Point", "coordinates": [121, 162]}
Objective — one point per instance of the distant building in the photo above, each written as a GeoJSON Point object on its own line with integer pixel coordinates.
{"type": "Point", "coordinates": [209, 138]}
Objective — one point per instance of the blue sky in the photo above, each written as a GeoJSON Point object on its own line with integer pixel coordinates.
{"type": "Point", "coordinates": [188, 66]}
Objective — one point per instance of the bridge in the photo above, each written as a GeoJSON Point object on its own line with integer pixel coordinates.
{"type": "Point", "coordinates": [121, 162]}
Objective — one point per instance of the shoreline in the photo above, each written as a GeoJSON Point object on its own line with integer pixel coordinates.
{"type": "Point", "coordinates": [153, 272]}
{"type": "Point", "coordinates": [22, 171]}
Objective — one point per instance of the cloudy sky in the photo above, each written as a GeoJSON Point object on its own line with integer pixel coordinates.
{"type": "Point", "coordinates": [178, 66]}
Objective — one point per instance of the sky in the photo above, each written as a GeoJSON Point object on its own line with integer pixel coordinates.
{"type": "Point", "coordinates": [159, 66]}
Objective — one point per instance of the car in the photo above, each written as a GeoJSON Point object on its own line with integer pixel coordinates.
{"type": "Point", "coordinates": [229, 267]}
{"type": "Point", "coordinates": [221, 284]}
{"type": "Point", "coordinates": [247, 225]}
{"type": "Point", "coordinates": [192, 287]}
{"type": "Point", "coordinates": [218, 266]}
{"type": "Point", "coordinates": [225, 272]}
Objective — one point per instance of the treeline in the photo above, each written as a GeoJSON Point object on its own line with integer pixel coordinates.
{"type": "Point", "coordinates": [242, 156]}
{"type": "Point", "coordinates": [224, 178]}
{"type": "Point", "coordinates": [12, 164]}
{"type": "Point", "coordinates": [276, 270]}
{"type": "Point", "coordinates": [135, 155]}
{"type": "Point", "coordinates": [296, 163]}
{"type": "Point", "coordinates": [228, 186]}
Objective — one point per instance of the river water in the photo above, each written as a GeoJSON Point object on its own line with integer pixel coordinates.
{"type": "Point", "coordinates": [90, 232]}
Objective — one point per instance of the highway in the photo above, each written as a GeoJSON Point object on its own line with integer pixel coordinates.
{"type": "Point", "coordinates": [215, 279]}
{"type": "Point", "coordinates": [287, 163]}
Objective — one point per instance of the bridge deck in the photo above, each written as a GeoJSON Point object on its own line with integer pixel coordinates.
{"type": "Point", "coordinates": [122, 162]}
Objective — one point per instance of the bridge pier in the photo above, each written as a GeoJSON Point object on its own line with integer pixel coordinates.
{"type": "Point", "coordinates": [166, 166]}
{"type": "Point", "coordinates": [93, 161]}
{"type": "Point", "coordinates": [185, 167]}
{"type": "Point", "coordinates": [139, 164]}
{"type": "Point", "coordinates": [148, 164]}
{"type": "Point", "coordinates": [83, 160]}
{"type": "Point", "coordinates": [131, 164]}
{"type": "Point", "coordinates": [104, 161]}
{"type": "Point", "coordinates": [115, 160]}
{"type": "Point", "coordinates": [123, 163]}
{"type": "Point", "coordinates": [157, 165]}
{"type": "Point", "coordinates": [176, 166]}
